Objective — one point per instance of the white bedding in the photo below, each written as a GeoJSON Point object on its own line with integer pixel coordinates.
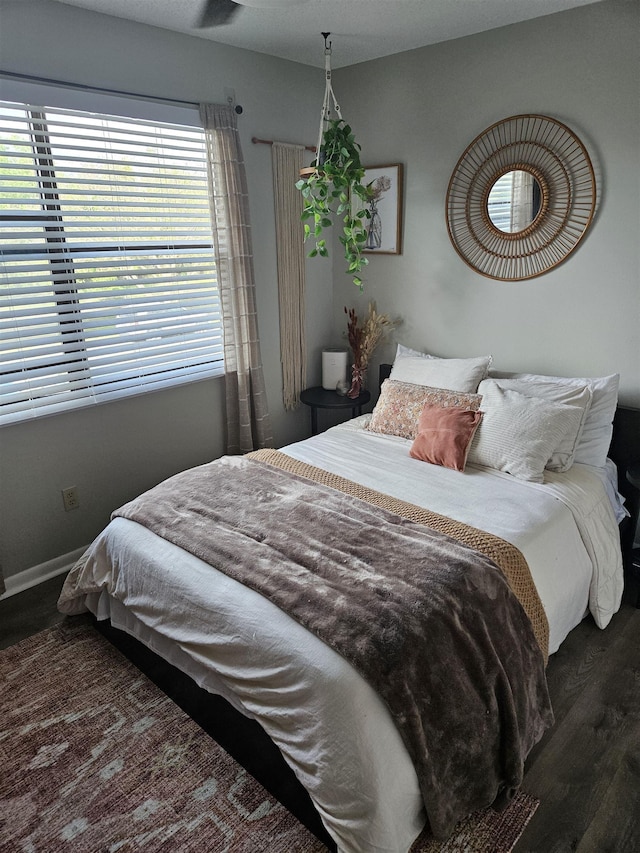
{"type": "Point", "coordinates": [330, 725]}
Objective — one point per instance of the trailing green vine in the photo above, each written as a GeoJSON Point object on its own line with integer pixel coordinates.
{"type": "Point", "coordinates": [331, 190]}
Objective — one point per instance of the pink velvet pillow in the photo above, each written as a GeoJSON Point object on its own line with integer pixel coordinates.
{"type": "Point", "coordinates": [445, 435]}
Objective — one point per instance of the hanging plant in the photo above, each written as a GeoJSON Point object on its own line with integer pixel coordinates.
{"type": "Point", "coordinates": [332, 186]}
{"type": "Point", "coordinates": [331, 190]}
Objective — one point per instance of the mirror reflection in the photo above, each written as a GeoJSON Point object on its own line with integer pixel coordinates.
{"type": "Point", "coordinates": [514, 201]}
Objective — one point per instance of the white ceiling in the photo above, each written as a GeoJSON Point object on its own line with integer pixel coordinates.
{"type": "Point", "coordinates": [360, 29]}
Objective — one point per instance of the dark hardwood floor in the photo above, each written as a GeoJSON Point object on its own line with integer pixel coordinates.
{"type": "Point", "coordinates": [585, 770]}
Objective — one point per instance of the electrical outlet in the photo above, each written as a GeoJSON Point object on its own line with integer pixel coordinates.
{"type": "Point", "coordinates": [70, 498]}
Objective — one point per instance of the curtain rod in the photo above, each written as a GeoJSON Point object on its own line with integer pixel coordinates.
{"type": "Point", "coordinates": [32, 79]}
{"type": "Point", "coordinates": [257, 141]}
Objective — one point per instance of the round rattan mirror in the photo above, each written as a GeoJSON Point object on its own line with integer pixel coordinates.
{"type": "Point", "coordinates": [520, 198]}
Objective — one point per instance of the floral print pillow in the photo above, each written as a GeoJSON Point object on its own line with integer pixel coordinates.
{"type": "Point", "coordinates": [400, 405]}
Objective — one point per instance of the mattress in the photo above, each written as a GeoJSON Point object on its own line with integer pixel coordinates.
{"type": "Point", "coordinates": [330, 725]}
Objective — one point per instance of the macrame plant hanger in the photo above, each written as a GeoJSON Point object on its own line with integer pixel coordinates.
{"type": "Point", "coordinates": [329, 96]}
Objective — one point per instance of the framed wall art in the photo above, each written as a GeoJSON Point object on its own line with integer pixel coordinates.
{"type": "Point", "coordinates": [384, 233]}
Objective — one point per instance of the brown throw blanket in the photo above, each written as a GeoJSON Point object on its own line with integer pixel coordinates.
{"type": "Point", "coordinates": [505, 555]}
{"type": "Point", "coordinates": [432, 624]}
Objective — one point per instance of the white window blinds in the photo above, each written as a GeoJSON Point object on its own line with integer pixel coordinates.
{"type": "Point", "coordinates": [107, 270]}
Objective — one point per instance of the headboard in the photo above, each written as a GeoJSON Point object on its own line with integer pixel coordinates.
{"type": "Point", "coordinates": [384, 371]}
{"type": "Point", "coordinates": [625, 450]}
{"type": "Point", "coordinates": [625, 444]}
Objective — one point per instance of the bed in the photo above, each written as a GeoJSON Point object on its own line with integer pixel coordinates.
{"type": "Point", "coordinates": [337, 732]}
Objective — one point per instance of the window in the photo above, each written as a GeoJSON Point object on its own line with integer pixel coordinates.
{"type": "Point", "coordinates": [107, 269]}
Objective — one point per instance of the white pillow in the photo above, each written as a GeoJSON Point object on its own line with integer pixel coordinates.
{"type": "Point", "coordinates": [518, 434]}
{"type": "Point", "coordinates": [597, 430]}
{"type": "Point", "coordinates": [456, 374]}
{"type": "Point", "coordinates": [407, 351]}
{"type": "Point", "coordinates": [579, 396]}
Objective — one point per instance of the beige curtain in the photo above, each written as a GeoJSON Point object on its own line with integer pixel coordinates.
{"type": "Point", "coordinates": [521, 200]}
{"type": "Point", "coordinates": [287, 160]}
{"type": "Point", "coordinates": [248, 421]}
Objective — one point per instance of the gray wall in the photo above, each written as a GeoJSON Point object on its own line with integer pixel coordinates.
{"type": "Point", "coordinates": [421, 109]}
{"type": "Point", "coordinates": [114, 451]}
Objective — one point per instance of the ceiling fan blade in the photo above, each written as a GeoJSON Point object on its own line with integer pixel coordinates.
{"type": "Point", "coordinates": [217, 12]}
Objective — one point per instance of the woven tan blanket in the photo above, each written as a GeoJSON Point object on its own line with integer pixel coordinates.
{"type": "Point", "coordinates": [505, 555]}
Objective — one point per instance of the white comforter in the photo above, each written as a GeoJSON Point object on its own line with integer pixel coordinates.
{"type": "Point", "coordinates": [330, 725]}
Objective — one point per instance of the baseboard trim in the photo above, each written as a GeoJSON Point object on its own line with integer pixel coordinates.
{"type": "Point", "coordinates": [42, 572]}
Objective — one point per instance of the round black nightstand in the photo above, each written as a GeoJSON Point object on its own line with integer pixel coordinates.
{"type": "Point", "coordinates": [633, 477]}
{"type": "Point", "coordinates": [319, 398]}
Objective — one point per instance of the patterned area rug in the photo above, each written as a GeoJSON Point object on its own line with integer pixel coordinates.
{"type": "Point", "coordinates": [95, 758]}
